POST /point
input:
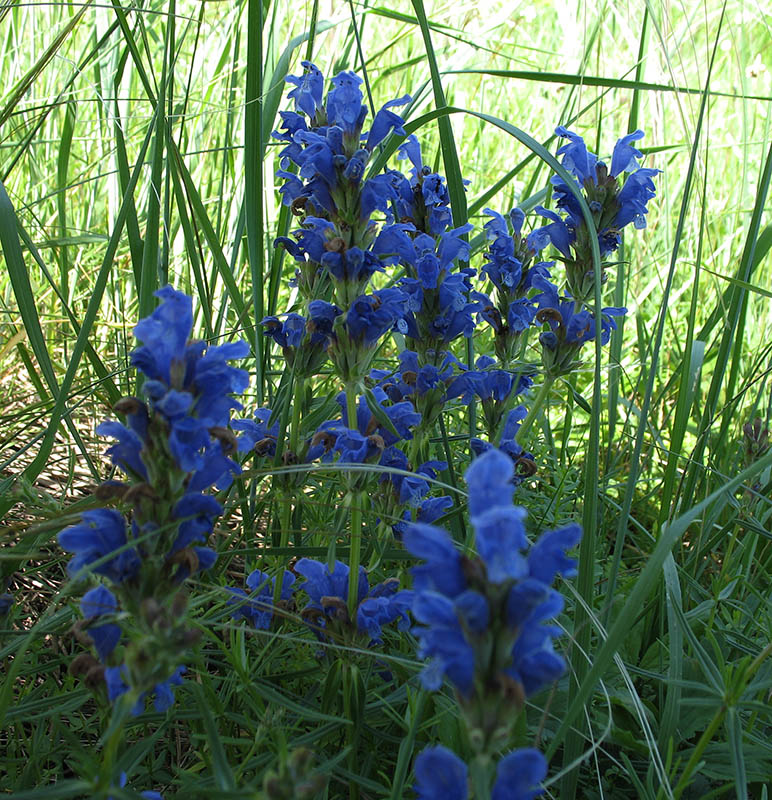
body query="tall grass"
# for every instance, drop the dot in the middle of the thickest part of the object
(135, 149)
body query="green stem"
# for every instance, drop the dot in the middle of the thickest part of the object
(704, 741)
(286, 503)
(355, 553)
(539, 401)
(116, 737)
(297, 407)
(481, 772)
(286, 523)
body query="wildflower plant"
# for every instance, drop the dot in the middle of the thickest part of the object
(368, 352)
(174, 447)
(483, 622)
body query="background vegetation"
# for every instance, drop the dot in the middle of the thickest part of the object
(138, 135)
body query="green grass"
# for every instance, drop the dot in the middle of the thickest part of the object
(135, 148)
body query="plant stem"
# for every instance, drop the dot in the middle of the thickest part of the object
(297, 407)
(704, 741)
(286, 503)
(480, 770)
(539, 401)
(286, 521)
(355, 552)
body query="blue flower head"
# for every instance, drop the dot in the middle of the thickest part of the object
(116, 680)
(328, 611)
(440, 775)
(258, 434)
(482, 620)
(94, 604)
(257, 606)
(613, 205)
(371, 316)
(570, 327)
(519, 775)
(307, 93)
(100, 539)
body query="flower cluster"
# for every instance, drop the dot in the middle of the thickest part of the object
(511, 267)
(257, 607)
(482, 620)
(482, 623)
(174, 447)
(569, 328)
(328, 612)
(613, 204)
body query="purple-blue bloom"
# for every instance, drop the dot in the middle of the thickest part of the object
(257, 606)
(94, 604)
(259, 435)
(370, 316)
(482, 618)
(440, 775)
(519, 775)
(328, 591)
(307, 93)
(116, 677)
(101, 533)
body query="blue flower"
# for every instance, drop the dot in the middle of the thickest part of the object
(164, 335)
(321, 318)
(383, 605)
(257, 607)
(409, 488)
(307, 93)
(352, 265)
(197, 513)
(519, 775)
(370, 316)
(488, 480)
(625, 156)
(375, 607)
(443, 640)
(344, 103)
(386, 122)
(571, 327)
(482, 619)
(101, 533)
(174, 366)
(429, 511)
(258, 435)
(633, 198)
(500, 539)
(440, 775)
(558, 232)
(442, 571)
(288, 333)
(94, 604)
(116, 677)
(535, 664)
(547, 558)
(322, 583)
(577, 159)
(126, 454)
(612, 207)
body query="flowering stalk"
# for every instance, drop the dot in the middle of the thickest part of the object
(355, 552)
(175, 445)
(535, 408)
(482, 623)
